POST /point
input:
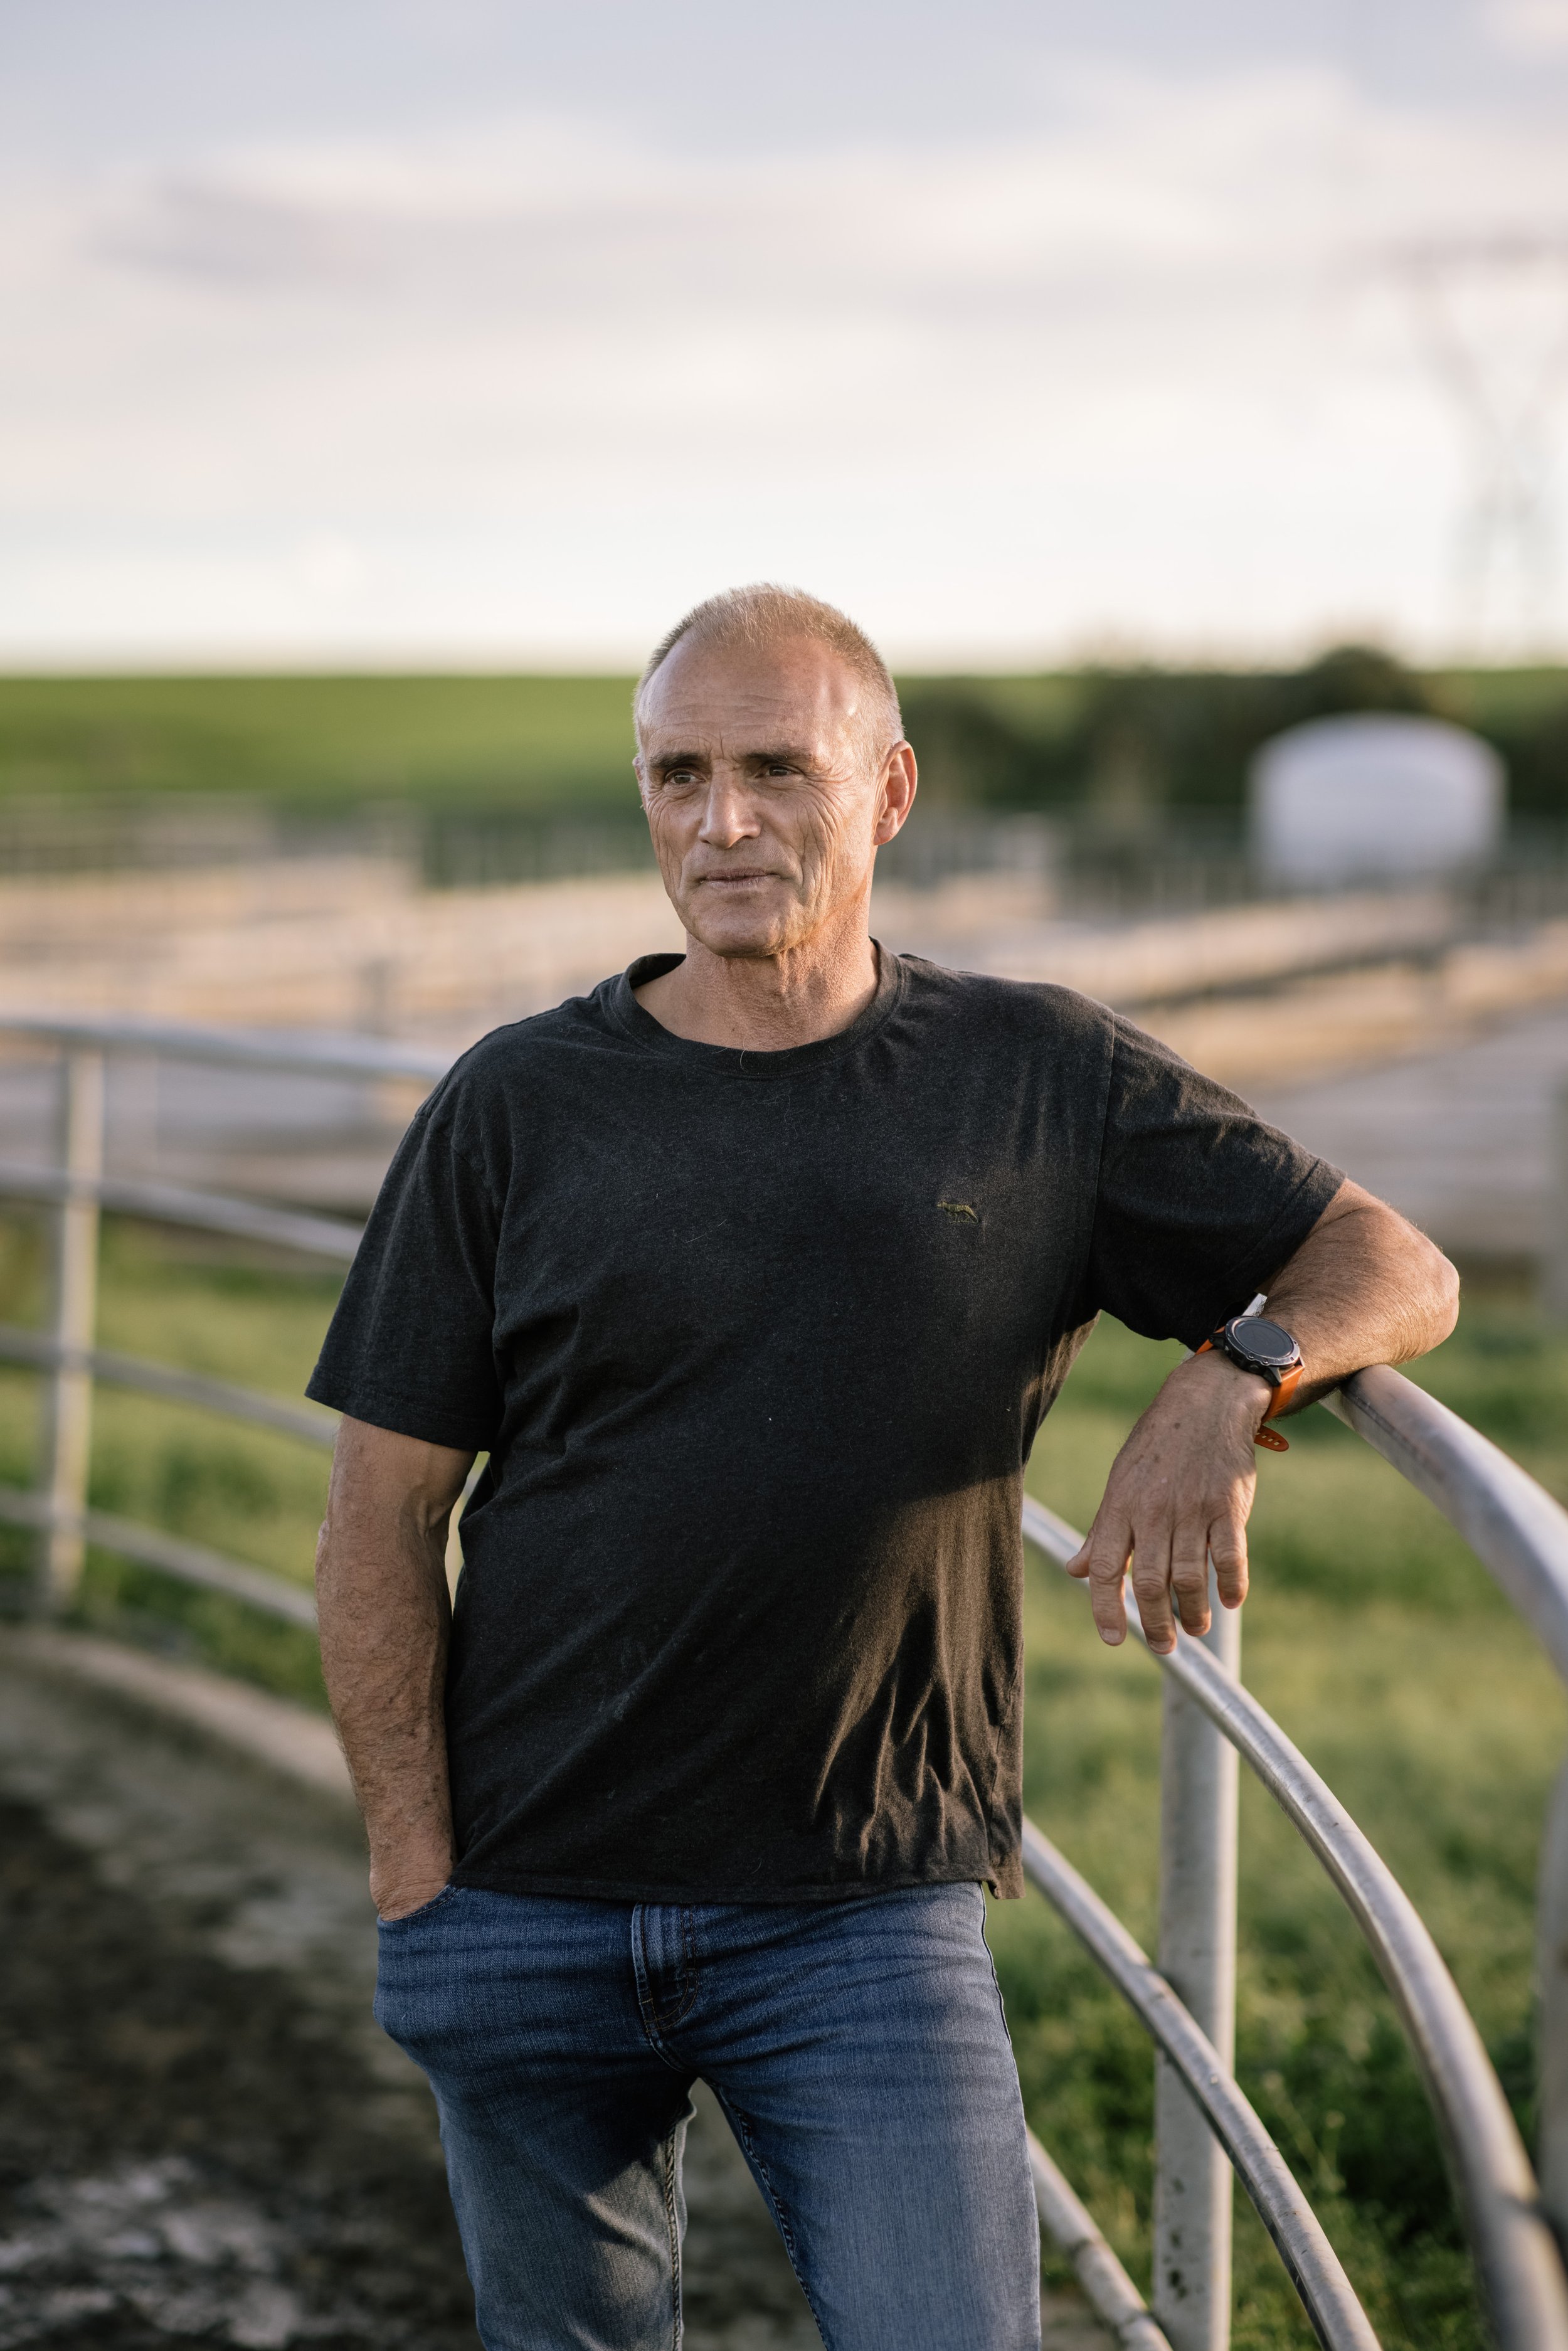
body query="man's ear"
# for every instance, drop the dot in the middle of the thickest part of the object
(900, 780)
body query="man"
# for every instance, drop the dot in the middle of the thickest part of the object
(754, 1273)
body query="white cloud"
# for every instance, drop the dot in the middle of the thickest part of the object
(1529, 29)
(525, 387)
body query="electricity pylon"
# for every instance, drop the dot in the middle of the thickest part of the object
(1492, 316)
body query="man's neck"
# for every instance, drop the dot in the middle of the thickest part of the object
(766, 1004)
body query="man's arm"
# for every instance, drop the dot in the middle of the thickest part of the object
(1363, 1288)
(385, 1614)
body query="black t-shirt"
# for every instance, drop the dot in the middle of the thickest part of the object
(758, 1344)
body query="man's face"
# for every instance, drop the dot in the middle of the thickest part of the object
(763, 790)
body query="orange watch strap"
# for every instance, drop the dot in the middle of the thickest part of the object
(1269, 1439)
(1285, 1391)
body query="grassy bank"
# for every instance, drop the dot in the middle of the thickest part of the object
(1372, 1636)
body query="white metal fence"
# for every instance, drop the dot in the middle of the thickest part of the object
(1205, 2126)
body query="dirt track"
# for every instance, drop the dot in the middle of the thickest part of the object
(183, 2152)
(203, 2136)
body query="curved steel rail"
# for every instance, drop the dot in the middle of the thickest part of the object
(39, 1351)
(1111, 2292)
(1520, 1536)
(1515, 1529)
(1314, 2267)
(149, 1546)
(74, 1183)
(1521, 2275)
(171, 1204)
(306, 1053)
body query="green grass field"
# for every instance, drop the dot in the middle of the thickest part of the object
(1372, 1636)
(326, 742)
(552, 747)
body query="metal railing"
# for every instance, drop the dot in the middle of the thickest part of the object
(1205, 2126)
(74, 1187)
(1520, 1535)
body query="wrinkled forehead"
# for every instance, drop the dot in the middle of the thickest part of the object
(737, 697)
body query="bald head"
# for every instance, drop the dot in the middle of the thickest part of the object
(763, 619)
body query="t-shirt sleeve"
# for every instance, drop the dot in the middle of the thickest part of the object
(412, 1345)
(1199, 1201)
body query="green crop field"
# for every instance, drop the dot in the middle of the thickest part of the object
(1372, 1636)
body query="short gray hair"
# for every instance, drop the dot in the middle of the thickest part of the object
(763, 616)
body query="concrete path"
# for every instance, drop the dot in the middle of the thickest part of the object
(1458, 1138)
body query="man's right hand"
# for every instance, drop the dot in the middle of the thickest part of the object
(1178, 1494)
(399, 1896)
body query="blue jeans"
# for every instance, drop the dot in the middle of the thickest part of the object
(857, 2048)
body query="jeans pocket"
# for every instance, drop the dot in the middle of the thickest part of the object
(416, 1918)
(414, 1972)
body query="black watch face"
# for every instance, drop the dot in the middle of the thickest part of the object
(1264, 1341)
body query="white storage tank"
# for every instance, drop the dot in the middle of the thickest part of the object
(1373, 795)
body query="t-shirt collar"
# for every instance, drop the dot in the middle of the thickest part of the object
(623, 1009)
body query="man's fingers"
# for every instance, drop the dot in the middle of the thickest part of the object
(1151, 1583)
(1104, 1560)
(1227, 1549)
(1189, 1576)
(1179, 1492)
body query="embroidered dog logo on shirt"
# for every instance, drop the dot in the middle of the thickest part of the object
(959, 1210)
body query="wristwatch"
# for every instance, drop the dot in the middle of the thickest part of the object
(1267, 1351)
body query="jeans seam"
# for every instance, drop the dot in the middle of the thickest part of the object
(740, 2123)
(687, 1999)
(647, 2011)
(996, 1979)
(689, 1944)
(671, 2223)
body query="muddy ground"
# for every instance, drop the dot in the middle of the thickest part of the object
(183, 2153)
(204, 2138)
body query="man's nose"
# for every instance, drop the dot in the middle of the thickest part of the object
(729, 815)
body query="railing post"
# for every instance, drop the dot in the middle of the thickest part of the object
(1191, 2294)
(1552, 1971)
(67, 1419)
(1553, 1259)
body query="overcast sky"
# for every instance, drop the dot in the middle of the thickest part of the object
(476, 330)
